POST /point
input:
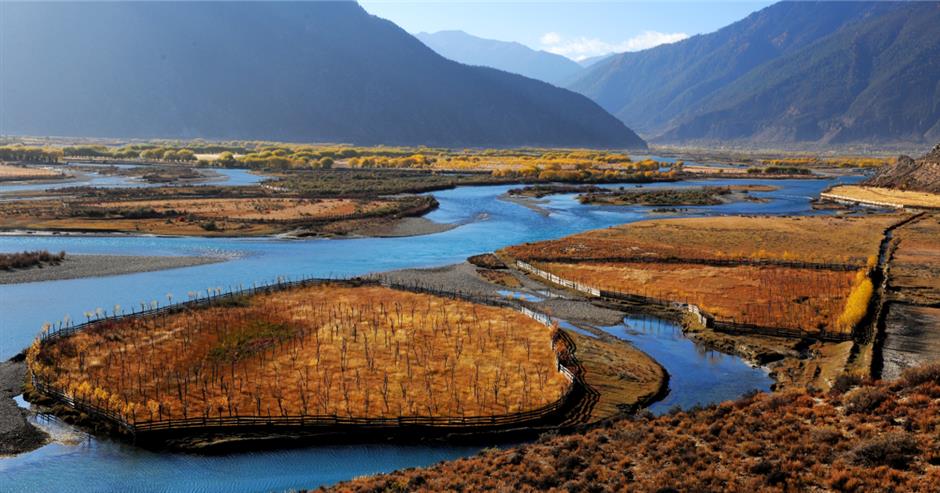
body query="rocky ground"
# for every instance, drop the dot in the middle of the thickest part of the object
(922, 175)
(78, 266)
(406, 226)
(17, 434)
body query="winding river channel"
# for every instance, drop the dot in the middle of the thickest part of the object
(486, 223)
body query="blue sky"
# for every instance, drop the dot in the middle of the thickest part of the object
(577, 29)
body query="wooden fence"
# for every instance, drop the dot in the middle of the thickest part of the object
(555, 411)
(577, 286)
(793, 264)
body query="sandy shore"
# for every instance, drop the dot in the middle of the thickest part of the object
(406, 226)
(463, 278)
(17, 434)
(79, 266)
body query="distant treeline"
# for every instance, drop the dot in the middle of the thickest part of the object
(29, 154)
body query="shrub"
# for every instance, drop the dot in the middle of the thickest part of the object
(918, 375)
(845, 382)
(865, 399)
(894, 449)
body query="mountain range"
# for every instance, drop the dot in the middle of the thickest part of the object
(794, 72)
(511, 57)
(302, 71)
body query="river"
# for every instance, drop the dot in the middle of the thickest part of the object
(486, 224)
(219, 176)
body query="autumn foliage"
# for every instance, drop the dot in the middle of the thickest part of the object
(364, 352)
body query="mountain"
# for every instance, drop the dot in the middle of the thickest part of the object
(591, 61)
(828, 72)
(922, 175)
(303, 71)
(511, 57)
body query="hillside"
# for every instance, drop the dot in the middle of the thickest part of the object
(304, 71)
(922, 175)
(511, 57)
(826, 72)
(870, 437)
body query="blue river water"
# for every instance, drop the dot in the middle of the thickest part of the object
(485, 223)
(227, 177)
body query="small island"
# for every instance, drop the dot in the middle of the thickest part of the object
(324, 356)
(660, 197)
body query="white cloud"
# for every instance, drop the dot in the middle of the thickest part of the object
(549, 39)
(583, 47)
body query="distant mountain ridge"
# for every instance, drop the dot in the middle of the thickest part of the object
(821, 72)
(302, 71)
(503, 55)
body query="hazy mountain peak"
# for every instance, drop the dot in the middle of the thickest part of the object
(504, 55)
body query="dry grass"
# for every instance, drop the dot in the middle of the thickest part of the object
(8, 172)
(199, 216)
(878, 196)
(323, 350)
(787, 442)
(500, 277)
(275, 209)
(808, 299)
(624, 376)
(822, 239)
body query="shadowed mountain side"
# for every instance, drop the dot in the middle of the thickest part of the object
(305, 71)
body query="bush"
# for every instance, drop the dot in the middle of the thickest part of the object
(918, 375)
(845, 382)
(894, 449)
(864, 400)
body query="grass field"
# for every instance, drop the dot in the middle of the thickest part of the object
(201, 216)
(818, 239)
(363, 351)
(274, 209)
(883, 196)
(8, 172)
(810, 299)
(797, 273)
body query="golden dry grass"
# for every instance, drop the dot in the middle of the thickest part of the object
(276, 209)
(8, 172)
(323, 350)
(197, 217)
(807, 299)
(824, 239)
(882, 196)
(622, 374)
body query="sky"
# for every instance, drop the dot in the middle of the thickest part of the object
(576, 29)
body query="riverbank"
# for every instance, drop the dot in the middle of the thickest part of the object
(82, 266)
(17, 434)
(398, 228)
